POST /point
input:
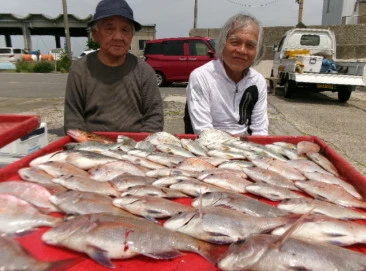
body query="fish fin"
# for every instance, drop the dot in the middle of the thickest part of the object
(211, 252)
(165, 255)
(287, 234)
(64, 264)
(100, 256)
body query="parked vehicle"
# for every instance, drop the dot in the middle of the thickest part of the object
(306, 58)
(173, 59)
(10, 54)
(84, 53)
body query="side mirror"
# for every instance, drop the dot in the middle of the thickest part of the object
(211, 53)
(274, 48)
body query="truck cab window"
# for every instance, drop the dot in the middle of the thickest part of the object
(310, 40)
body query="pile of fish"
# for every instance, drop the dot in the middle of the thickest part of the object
(238, 204)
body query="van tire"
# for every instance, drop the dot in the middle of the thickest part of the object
(160, 78)
(290, 86)
(344, 93)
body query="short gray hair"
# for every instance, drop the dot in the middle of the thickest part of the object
(234, 23)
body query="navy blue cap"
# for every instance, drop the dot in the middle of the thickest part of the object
(108, 8)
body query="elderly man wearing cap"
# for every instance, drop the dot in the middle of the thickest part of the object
(111, 89)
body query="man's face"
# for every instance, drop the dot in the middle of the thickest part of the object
(240, 49)
(114, 35)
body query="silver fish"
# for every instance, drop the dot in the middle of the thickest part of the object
(195, 188)
(17, 216)
(195, 164)
(86, 184)
(174, 150)
(267, 176)
(152, 190)
(330, 192)
(221, 225)
(106, 237)
(149, 206)
(306, 205)
(280, 167)
(327, 229)
(125, 181)
(304, 147)
(272, 192)
(14, 257)
(326, 178)
(30, 192)
(169, 180)
(238, 202)
(163, 138)
(57, 169)
(144, 162)
(260, 253)
(87, 159)
(194, 147)
(212, 136)
(227, 181)
(166, 159)
(323, 162)
(79, 203)
(111, 170)
(236, 164)
(36, 175)
(165, 172)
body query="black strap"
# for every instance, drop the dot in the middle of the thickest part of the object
(188, 129)
(246, 106)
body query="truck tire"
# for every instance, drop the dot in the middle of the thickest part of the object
(290, 86)
(271, 83)
(344, 93)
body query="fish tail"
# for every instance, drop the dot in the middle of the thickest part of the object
(212, 252)
(64, 264)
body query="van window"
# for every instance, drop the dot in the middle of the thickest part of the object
(197, 48)
(154, 48)
(5, 50)
(17, 51)
(173, 48)
(310, 40)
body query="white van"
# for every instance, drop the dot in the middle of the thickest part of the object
(10, 54)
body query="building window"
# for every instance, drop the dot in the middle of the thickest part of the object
(142, 44)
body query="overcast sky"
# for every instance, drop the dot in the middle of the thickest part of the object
(173, 18)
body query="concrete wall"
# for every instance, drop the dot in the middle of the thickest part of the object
(351, 39)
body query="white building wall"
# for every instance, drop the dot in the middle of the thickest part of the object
(339, 12)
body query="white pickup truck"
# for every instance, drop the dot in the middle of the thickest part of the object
(306, 58)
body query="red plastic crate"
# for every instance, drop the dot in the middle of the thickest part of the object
(13, 127)
(189, 261)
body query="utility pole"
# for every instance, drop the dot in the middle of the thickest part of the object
(301, 8)
(67, 30)
(195, 14)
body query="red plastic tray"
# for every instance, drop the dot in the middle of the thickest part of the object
(13, 127)
(189, 261)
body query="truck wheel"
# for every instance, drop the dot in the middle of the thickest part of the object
(271, 83)
(290, 86)
(344, 93)
(160, 79)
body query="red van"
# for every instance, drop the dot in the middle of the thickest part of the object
(173, 59)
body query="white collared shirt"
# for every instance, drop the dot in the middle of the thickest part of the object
(213, 100)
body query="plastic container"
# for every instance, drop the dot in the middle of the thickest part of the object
(188, 261)
(13, 127)
(311, 63)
